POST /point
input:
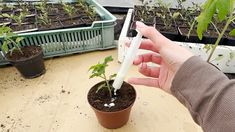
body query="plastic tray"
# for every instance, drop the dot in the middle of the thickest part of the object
(99, 36)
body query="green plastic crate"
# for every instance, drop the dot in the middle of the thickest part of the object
(99, 36)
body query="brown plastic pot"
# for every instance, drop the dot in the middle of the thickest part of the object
(113, 120)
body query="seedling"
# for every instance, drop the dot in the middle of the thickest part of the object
(43, 16)
(90, 11)
(18, 19)
(224, 12)
(165, 14)
(10, 38)
(70, 10)
(99, 70)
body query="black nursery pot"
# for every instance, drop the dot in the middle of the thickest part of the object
(30, 67)
(230, 41)
(183, 31)
(171, 34)
(212, 40)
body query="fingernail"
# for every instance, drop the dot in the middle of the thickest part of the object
(140, 24)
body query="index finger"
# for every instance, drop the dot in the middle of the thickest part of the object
(156, 37)
(146, 44)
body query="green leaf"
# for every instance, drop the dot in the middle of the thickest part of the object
(18, 39)
(232, 33)
(6, 15)
(223, 8)
(205, 17)
(112, 76)
(176, 15)
(231, 6)
(219, 57)
(5, 47)
(108, 59)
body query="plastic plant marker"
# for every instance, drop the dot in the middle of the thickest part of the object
(128, 61)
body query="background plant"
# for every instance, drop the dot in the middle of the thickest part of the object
(89, 10)
(99, 70)
(223, 10)
(165, 14)
(9, 37)
(69, 9)
(43, 16)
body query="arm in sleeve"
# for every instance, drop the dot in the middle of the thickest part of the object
(207, 93)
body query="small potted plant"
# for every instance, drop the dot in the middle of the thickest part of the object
(28, 59)
(111, 108)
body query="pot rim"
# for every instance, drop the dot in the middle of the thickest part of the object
(25, 59)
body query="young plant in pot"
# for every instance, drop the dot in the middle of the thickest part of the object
(28, 60)
(223, 10)
(112, 108)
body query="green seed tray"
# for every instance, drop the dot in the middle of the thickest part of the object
(99, 36)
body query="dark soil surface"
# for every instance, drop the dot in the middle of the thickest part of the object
(124, 98)
(28, 51)
(185, 30)
(72, 23)
(4, 20)
(53, 25)
(193, 35)
(118, 28)
(171, 29)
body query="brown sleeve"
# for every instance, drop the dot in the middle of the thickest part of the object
(207, 93)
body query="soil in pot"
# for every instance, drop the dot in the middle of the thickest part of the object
(193, 35)
(169, 32)
(6, 9)
(118, 28)
(72, 23)
(4, 21)
(54, 25)
(114, 116)
(124, 98)
(30, 64)
(145, 14)
(210, 37)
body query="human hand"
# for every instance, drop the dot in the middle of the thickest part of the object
(167, 55)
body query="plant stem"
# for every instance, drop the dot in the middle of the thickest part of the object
(220, 36)
(15, 45)
(191, 28)
(215, 27)
(107, 82)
